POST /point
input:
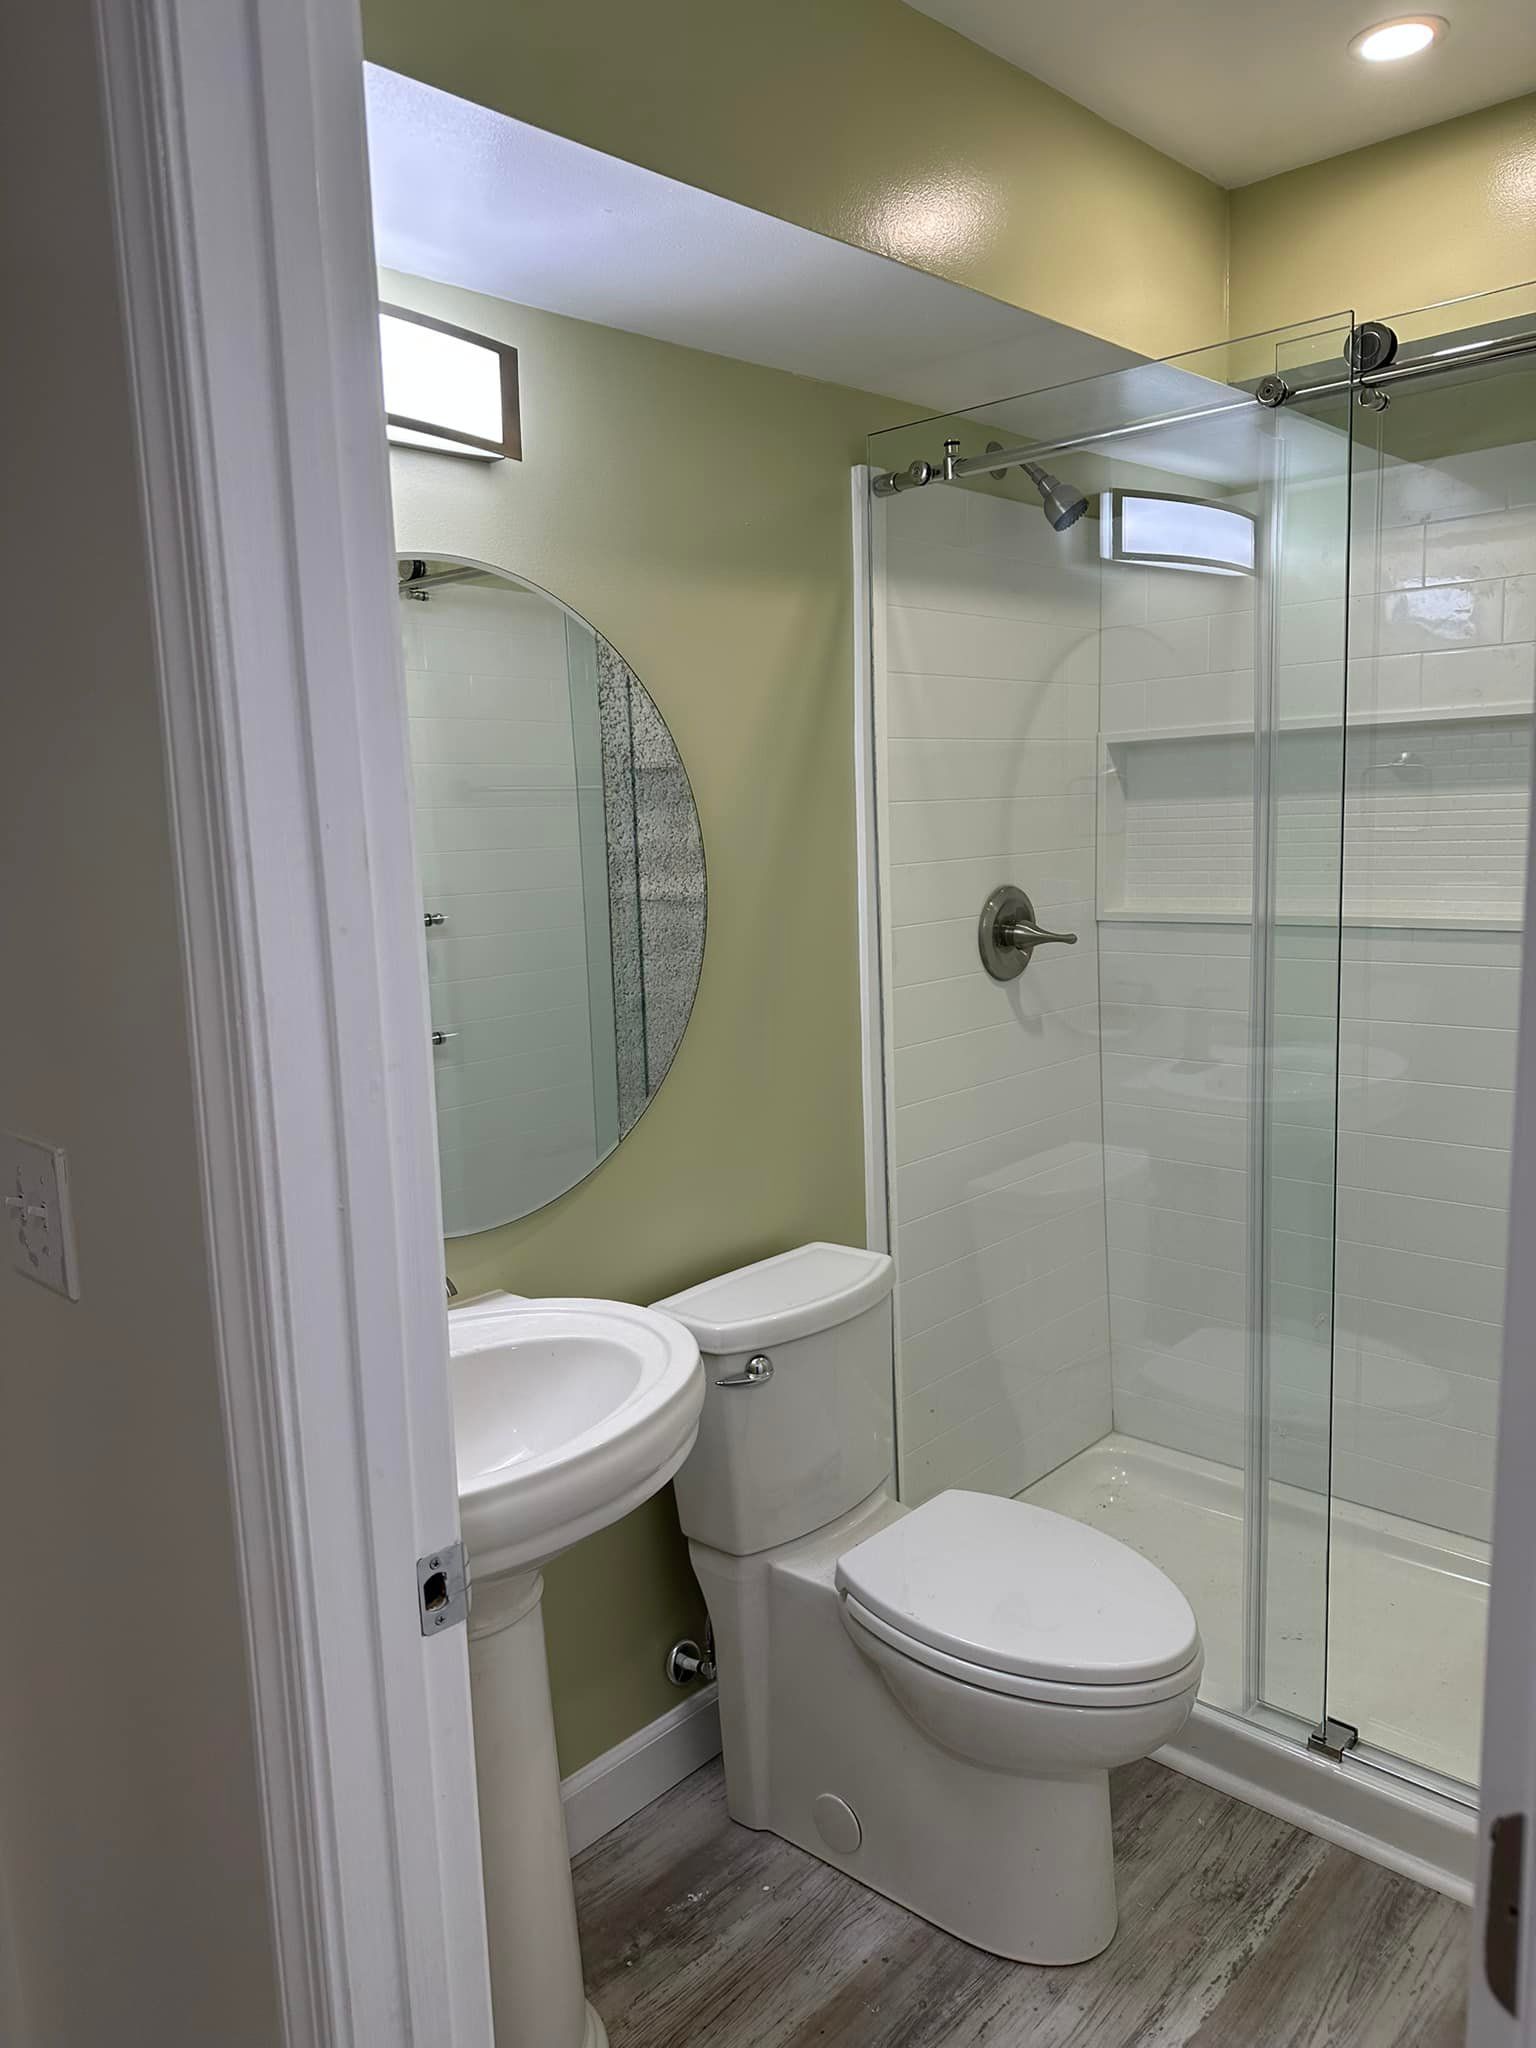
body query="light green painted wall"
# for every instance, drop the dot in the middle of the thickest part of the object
(1433, 215)
(863, 120)
(696, 510)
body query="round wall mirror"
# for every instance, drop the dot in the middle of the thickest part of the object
(563, 894)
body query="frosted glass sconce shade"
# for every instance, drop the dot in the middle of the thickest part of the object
(447, 389)
(1162, 531)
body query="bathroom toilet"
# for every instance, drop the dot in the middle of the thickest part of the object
(929, 1698)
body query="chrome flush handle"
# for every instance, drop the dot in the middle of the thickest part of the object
(757, 1373)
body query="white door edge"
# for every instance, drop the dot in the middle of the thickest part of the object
(1509, 1700)
(235, 130)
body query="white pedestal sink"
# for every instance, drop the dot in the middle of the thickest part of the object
(567, 1414)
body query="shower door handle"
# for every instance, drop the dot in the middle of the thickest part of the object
(1008, 933)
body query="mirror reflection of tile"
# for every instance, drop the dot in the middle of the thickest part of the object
(561, 853)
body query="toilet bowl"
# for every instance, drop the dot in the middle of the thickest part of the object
(1049, 1739)
(1019, 1638)
(929, 1698)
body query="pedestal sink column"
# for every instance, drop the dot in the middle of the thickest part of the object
(566, 1415)
(536, 1987)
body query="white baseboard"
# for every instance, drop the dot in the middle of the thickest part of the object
(614, 1786)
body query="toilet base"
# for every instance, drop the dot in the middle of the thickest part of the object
(1028, 1872)
(1021, 1865)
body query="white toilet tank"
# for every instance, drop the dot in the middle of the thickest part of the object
(806, 1434)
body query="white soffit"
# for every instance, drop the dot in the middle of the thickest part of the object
(1241, 92)
(469, 197)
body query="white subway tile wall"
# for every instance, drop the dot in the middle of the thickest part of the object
(1176, 853)
(1435, 845)
(1425, 1107)
(1436, 803)
(1175, 1015)
(1424, 1134)
(1435, 814)
(1442, 575)
(989, 678)
(497, 834)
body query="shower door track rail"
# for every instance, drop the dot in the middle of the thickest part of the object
(955, 469)
(1468, 355)
(1276, 392)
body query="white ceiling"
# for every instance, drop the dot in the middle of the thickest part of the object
(1240, 89)
(469, 197)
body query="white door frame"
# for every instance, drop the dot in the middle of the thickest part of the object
(235, 130)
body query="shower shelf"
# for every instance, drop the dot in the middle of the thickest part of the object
(1319, 920)
(1172, 824)
(1457, 714)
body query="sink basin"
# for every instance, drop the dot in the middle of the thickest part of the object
(566, 1415)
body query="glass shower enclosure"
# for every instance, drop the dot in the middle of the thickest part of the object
(1198, 1217)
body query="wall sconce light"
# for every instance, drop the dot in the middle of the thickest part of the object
(1159, 530)
(447, 389)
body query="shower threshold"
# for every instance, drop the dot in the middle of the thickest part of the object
(1408, 1620)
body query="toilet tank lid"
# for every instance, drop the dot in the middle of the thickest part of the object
(812, 1288)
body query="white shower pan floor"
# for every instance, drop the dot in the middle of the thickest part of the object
(1408, 1605)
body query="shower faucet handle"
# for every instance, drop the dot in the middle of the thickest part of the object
(1024, 934)
(1009, 932)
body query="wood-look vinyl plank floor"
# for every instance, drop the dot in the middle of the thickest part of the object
(1236, 1931)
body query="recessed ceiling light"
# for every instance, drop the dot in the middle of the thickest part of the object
(1404, 37)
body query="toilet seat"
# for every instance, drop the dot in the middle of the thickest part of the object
(1014, 1599)
(1049, 1692)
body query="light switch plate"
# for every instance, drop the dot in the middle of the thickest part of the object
(38, 1234)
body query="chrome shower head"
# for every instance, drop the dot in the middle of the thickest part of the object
(1063, 506)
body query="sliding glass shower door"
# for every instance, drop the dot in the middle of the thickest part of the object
(1299, 746)
(1438, 779)
(1109, 643)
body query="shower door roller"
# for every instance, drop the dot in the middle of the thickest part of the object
(1008, 934)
